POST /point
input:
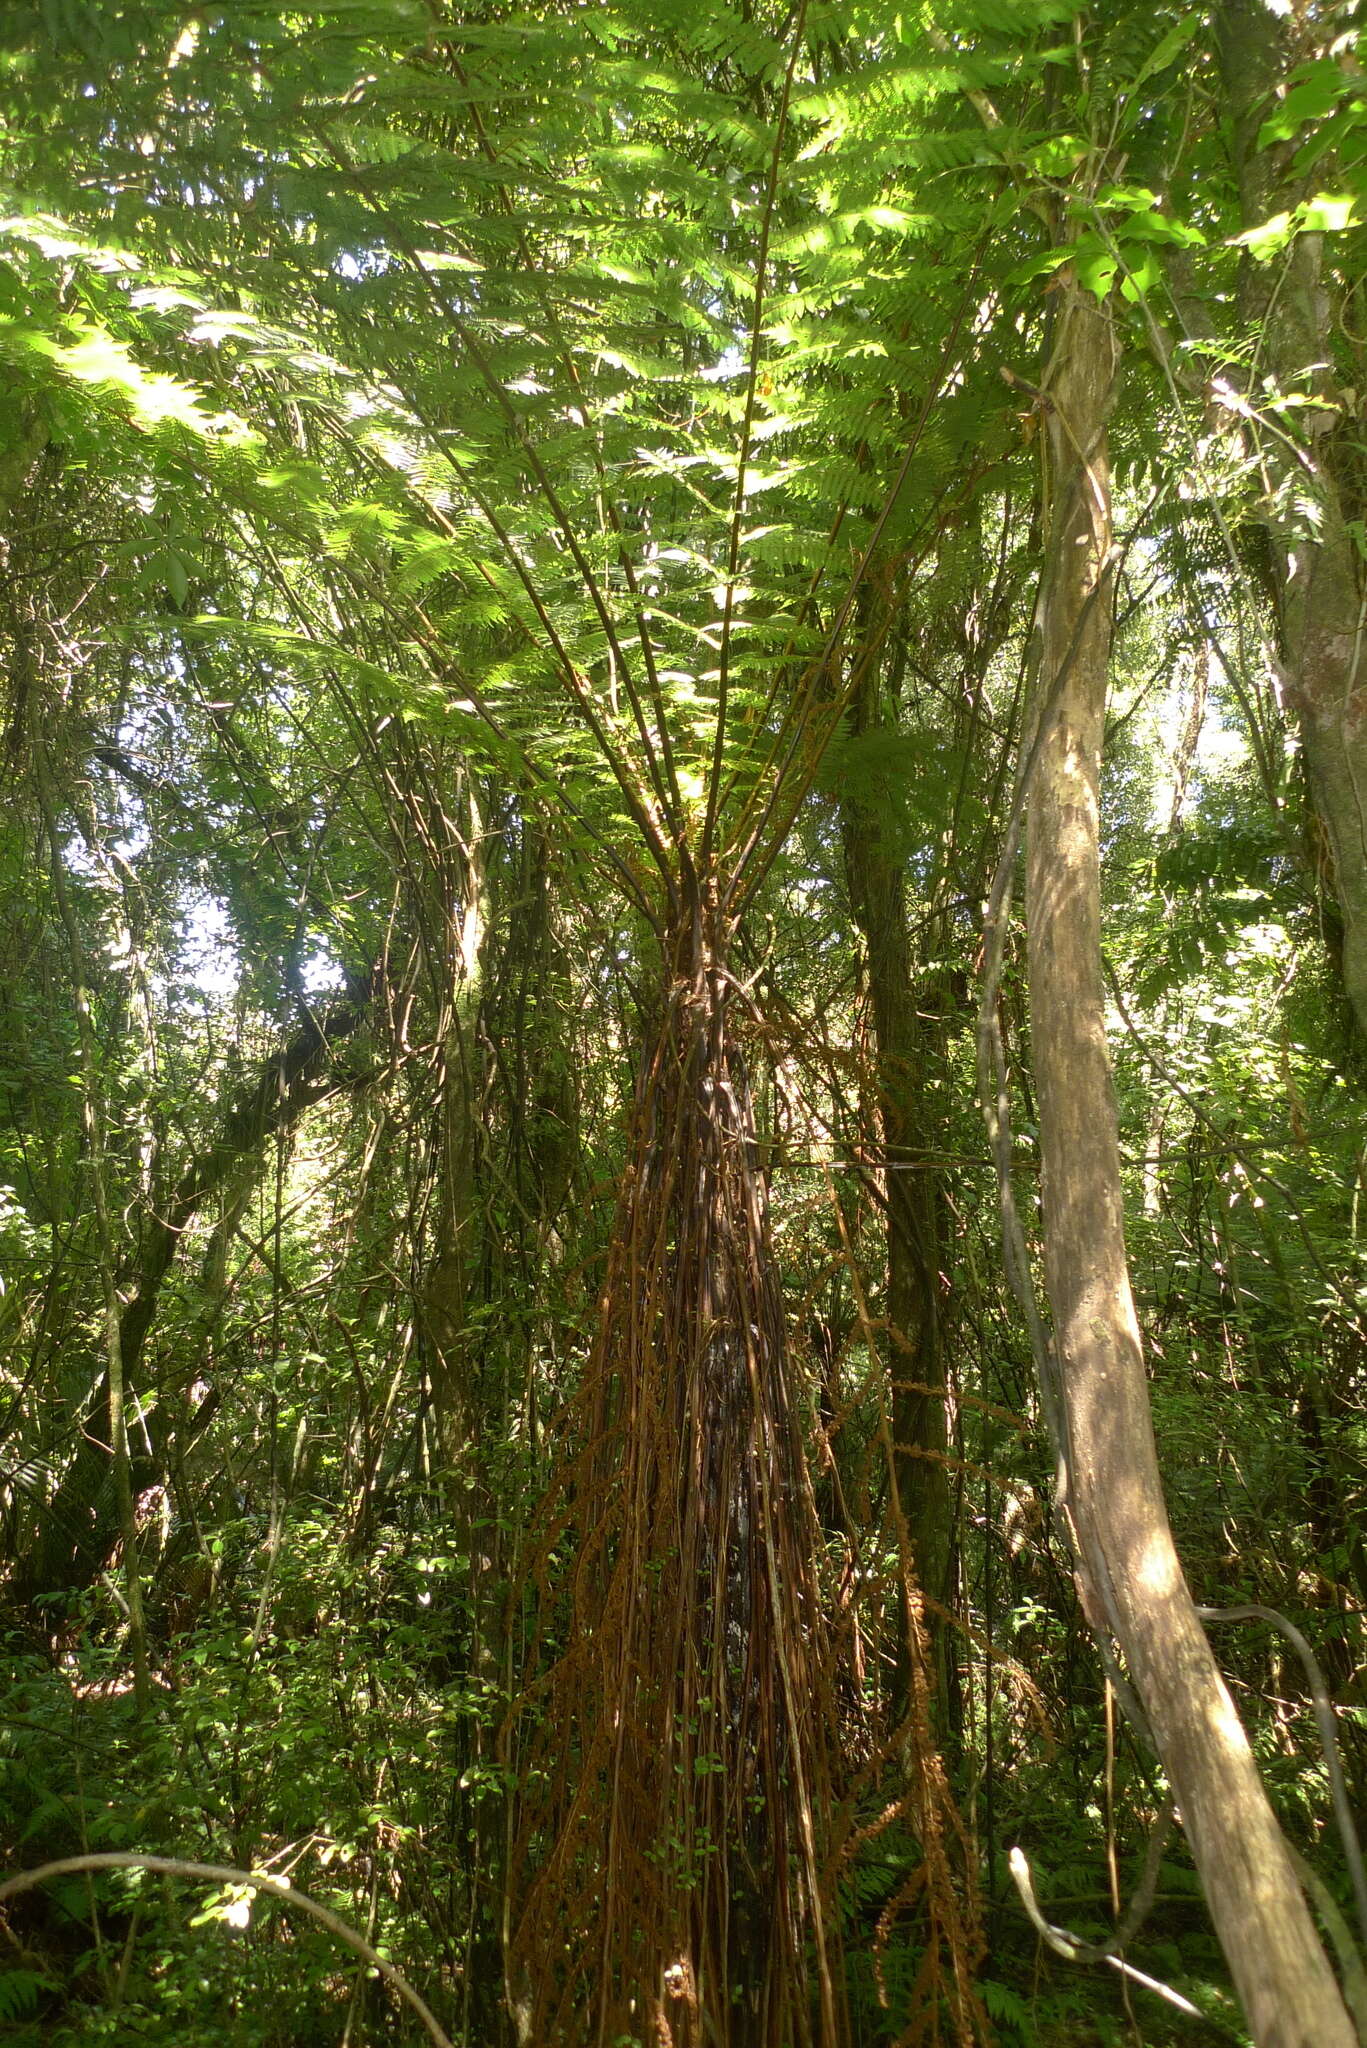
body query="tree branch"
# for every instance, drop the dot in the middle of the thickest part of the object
(257, 1881)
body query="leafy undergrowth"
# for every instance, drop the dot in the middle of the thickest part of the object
(333, 1718)
(355, 1759)
(360, 1763)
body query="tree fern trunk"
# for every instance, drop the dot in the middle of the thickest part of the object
(668, 1870)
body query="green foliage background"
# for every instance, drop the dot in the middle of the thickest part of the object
(463, 469)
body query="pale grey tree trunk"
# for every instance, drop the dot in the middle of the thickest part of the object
(1287, 311)
(1135, 1586)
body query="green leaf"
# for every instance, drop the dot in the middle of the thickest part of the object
(1316, 89)
(1170, 46)
(1265, 240)
(1330, 212)
(20, 1991)
(1142, 219)
(1095, 264)
(1325, 213)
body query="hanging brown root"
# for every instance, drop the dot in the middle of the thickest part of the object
(673, 1871)
(668, 1862)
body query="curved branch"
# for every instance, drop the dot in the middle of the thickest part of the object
(1329, 1741)
(257, 1881)
(1074, 1949)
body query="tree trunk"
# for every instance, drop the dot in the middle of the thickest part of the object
(461, 921)
(1115, 1493)
(1311, 506)
(915, 1351)
(676, 1802)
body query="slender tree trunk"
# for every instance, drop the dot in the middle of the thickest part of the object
(915, 1350)
(1183, 761)
(462, 919)
(1115, 1493)
(93, 1117)
(1311, 507)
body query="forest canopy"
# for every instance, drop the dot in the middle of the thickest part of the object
(683, 1029)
